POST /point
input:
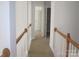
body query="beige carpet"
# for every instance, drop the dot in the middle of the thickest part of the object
(40, 48)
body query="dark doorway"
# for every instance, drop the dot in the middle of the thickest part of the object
(48, 21)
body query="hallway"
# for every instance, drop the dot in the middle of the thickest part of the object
(25, 25)
(40, 48)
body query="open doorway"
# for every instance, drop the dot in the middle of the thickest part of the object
(39, 21)
(48, 21)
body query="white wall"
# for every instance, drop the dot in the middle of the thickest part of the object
(21, 24)
(52, 26)
(21, 16)
(47, 4)
(23, 19)
(7, 27)
(66, 15)
(13, 17)
(29, 33)
(12, 28)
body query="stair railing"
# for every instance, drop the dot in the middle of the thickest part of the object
(22, 34)
(6, 51)
(72, 46)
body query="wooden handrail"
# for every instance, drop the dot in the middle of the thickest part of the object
(62, 34)
(73, 42)
(69, 37)
(25, 30)
(29, 25)
(19, 38)
(5, 53)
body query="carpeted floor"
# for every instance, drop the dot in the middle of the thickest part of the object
(40, 48)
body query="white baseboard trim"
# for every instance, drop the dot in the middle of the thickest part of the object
(51, 49)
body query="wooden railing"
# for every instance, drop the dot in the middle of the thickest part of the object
(29, 25)
(25, 30)
(19, 38)
(5, 53)
(62, 34)
(68, 40)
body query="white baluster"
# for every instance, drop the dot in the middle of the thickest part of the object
(75, 54)
(70, 49)
(78, 52)
(73, 51)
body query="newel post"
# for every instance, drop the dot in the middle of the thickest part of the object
(5, 52)
(67, 46)
(55, 29)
